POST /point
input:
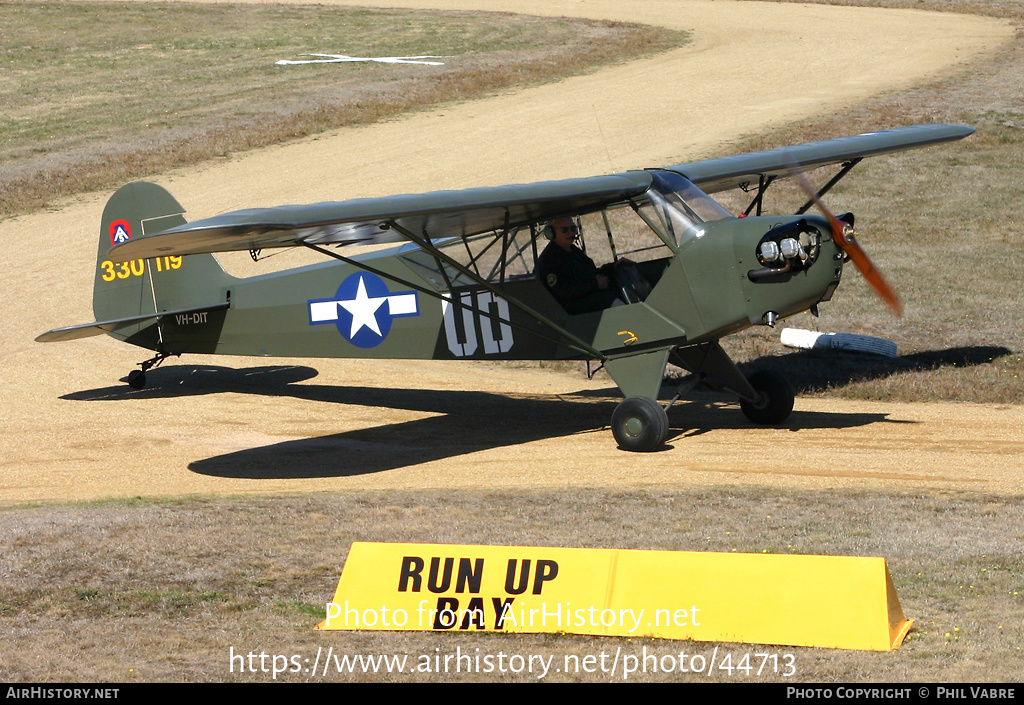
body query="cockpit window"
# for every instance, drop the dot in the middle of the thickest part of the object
(681, 207)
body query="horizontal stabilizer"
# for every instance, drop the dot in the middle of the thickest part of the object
(87, 330)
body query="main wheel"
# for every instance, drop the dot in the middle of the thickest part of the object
(640, 424)
(774, 398)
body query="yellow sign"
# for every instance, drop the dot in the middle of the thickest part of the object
(831, 601)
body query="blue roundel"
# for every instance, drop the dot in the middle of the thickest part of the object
(363, 309)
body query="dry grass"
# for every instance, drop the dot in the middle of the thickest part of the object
(161, 590)
(87, 108)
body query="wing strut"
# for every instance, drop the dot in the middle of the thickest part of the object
(504, 249)
(832, 182)
(763, 182)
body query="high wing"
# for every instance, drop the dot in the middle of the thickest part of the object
(366, 221)
(443, 214)
(737, 171)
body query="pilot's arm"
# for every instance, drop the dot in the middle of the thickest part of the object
(574, 280)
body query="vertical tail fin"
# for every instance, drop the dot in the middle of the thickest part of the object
(126, 289)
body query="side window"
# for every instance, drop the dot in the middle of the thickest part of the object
(618, 233)
(492, 256)
(496, 256)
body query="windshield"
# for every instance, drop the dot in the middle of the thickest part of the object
(681, 207)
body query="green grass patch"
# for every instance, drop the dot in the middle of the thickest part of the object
(178, 599)
(308, 609)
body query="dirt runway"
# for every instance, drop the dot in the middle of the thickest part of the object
(71, 430)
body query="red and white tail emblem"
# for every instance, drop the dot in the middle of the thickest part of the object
(120, 232)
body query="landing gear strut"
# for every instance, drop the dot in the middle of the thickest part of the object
(137, 378)
(640, 424)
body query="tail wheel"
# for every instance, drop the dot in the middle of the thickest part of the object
(774, 398)
(136, 379)
(640, 424)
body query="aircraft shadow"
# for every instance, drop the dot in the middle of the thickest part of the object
(468, 421)
(196, 380)
(465, 421)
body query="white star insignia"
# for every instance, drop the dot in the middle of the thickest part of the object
(364, 310)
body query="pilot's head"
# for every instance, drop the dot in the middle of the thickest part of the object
(564, 232)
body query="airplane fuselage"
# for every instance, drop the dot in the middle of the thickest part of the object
(382, 308)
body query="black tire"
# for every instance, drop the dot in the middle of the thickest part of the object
(136, 379)
(640, 424)
(775, 398)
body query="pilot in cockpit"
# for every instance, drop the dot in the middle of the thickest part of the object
(572, 277)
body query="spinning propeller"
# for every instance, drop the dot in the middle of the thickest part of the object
(844, 237)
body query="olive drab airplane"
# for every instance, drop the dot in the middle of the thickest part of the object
(464, 277)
